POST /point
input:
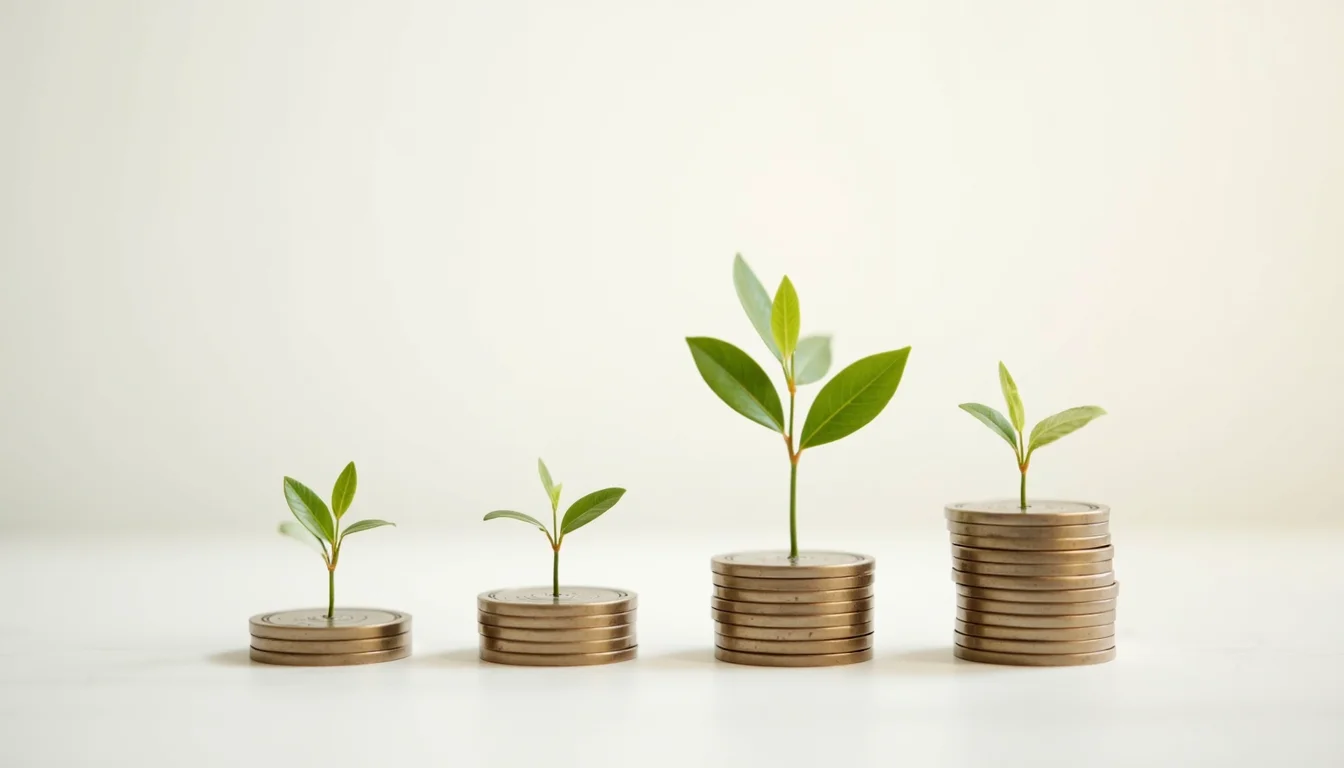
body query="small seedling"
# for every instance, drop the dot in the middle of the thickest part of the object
(854, 397)
(579, 514)
(1050, 429)
(317, 525)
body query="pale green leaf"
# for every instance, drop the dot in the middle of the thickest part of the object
(812, 359)
(310, 510)
(784, 320)
(297, 532)
(1051, 428)
(344, 492)
(552, 490)
(364, 525)
(530, 520)
(589, 508)
(853, 398)
(755, 302)
(738, 381)
(1016, 413)
(992, 419)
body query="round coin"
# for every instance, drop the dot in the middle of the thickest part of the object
(1040, 512)
(792, 622)
(391, 642)
(558, 635)
(793, 585)
(556, 622)
(1041, 595)
(765, 596)
(1030, 531)
(777, 564)
(572, 601)
(1022, 633)
(313, 624)
(793, 635)
(1032, 545)
(1033, 659)
(1034, 582)
(1020, 557)
(1032, 646)
(1039, 569)
(1037, 622)
(792, 609)
(787, 660)
(794, 647)
(557, 659)
(327, 659)
(1088, 608)
(587, 647)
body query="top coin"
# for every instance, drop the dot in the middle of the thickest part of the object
(776, 564)
(313, 624)
(572, 601)
(1008, 512)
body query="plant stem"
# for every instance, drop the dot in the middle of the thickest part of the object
(1024, 491)
(793, 483)
(331, 592)
(555, 573)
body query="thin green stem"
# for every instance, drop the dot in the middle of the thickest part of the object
(1024, 491)
(555, 572)
(793, 483)
(331, 592)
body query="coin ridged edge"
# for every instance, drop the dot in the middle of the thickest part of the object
(558, 660)
(258, 628)
(327, 659)
(963, 512)
(1034, 660)
(802, 660)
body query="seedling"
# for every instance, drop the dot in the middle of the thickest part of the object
(854, 397)
(579, 514)
(317, 525)
(1050, 429)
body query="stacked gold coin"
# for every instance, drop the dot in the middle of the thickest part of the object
(1034, 588)
(308, 638)
(815, 610)
(533, 627)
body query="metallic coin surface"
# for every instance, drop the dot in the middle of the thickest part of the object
(792, 609)
(1034, 582)
(572, 601)
(312, 624)
(1039, 512)
(1087, 608)
(327, 659)
(1032, 545)
(587, 634)
(793, 585)
(557, 659)
(776, 564)
(797, 660)
(1038, 622)
(1033, 659)
(1020, 557)
(1030, 531)
(793, 635)
(794, 647)
(1039, 569)
(1041, 595)
(1023, 633)
(556, 622)
(391, 642)
(767, 596)
(1032, 646)
(586, 647)
(792, 622)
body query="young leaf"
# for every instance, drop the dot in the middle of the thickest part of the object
(1051, 428)
(552, 490)
(853, 398)
(589, 508)
(992, 419)
(812, 359)
(755, 301)
(344, 492)
(364, 525)
(1014, 401)
(738, 381)
(784, 322)
(301, 534)
(310, 510)
(530, 520)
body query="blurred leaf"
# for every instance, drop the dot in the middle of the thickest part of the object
(344, 492)
(784, 321)
(301, 534)
(310, 510)
(1051, 428)
(1016, 413)
(589, 508)
(530, 520)
(755, 301)
(364, 525)
(812, 359)
(552, 490)
(738, 381)
(853, 398)
(992, 419)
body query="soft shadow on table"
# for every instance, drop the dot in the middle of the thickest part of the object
(462, 657)
(690, 657)
(929, 662)
(235, 658)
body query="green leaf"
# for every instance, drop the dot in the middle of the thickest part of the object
(784, 322)
(364, 525)
(853, 398)
(310, 510)
(552, 490)
(301, 534)
(589, 508)
(992, 419)
(530, 520)
(738, 381)
(1051, 428)
(1014, 401)
(344, 492)
(755, 301)
(812, 359)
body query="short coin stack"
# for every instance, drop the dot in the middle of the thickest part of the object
(307, 638)
(533, 627)
(1034, 588)
(815, 610)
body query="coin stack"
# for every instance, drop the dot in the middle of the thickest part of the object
(1034, 588)
(307, 638)
(533, 627)
(815, 610)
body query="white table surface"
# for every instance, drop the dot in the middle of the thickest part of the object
(130, 650)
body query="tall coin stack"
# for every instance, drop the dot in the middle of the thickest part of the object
(307, 638)
(771, 610)
(1034, 588)
(532, 627)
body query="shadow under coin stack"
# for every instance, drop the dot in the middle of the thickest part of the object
(812, 611)
(307, 638)
(1034, 588)
(531, 627)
